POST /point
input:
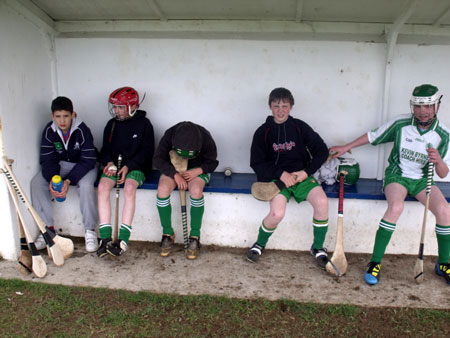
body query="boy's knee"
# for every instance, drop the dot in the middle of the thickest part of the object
(277, 215)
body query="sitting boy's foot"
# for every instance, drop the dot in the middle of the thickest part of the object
(372, 274)
(254, 252)
(320, 256)
(101, 251)
(194, 248)
(443, 270)
(166, 245)
(117, 248)
(91, 240)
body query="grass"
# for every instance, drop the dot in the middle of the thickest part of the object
(60, 311)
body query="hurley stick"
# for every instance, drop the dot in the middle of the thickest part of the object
(54, 250)
(418, 268)
(116, 219)
(25, 260)
(180, 165)
(38, 265)
(337, 265)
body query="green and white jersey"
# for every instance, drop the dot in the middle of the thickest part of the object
(409, 155)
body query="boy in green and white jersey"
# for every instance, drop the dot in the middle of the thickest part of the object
(418, 139)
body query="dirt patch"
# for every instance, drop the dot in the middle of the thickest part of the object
(226, 272)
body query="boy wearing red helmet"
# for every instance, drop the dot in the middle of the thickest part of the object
(129, 134)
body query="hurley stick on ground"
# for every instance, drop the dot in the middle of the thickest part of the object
(418, 268)
(38, 265)
(180, 165)
(338, 263)
(56, 244)
(116, 218)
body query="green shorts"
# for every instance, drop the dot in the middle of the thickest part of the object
(136, 175)
(412, 186)
(205, 177)
(300, 190)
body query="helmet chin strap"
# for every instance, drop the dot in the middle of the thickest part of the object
(426, 123)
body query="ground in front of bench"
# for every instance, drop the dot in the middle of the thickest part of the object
(226, 272)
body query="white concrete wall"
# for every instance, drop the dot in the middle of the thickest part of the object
(25, 95)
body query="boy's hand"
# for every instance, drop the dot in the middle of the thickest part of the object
(300, 176)
(107, 171)
(122, 174)
(192, 173)
(64, 189)
(180, 181)
(434, 156)
(339, 150)
(288, 179)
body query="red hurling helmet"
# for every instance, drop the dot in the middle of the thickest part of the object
(125, 96)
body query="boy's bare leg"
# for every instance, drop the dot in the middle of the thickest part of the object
(438, 205)
(395, 195)
(129, 196)
(319, 201)
(104, 204)
(277, 211)
(165, 186)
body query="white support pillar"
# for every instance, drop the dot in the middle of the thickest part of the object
(391, 41)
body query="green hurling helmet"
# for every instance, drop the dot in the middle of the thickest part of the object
(425, 95)
(189, 154)
(350, 168)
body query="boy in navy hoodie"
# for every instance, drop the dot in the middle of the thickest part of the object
(130, 134)
(67, 149)
(288, 150)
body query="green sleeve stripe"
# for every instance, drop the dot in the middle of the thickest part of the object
(388, 135)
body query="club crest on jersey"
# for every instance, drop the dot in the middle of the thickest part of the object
(135, 136)
(58, 146)
(76, 146)
(283, 146)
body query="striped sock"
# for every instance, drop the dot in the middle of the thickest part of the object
(264, 235)
(165, 214)
(443, 239)
(105, 230)
(320, 228)
(382, 238)
(125, 232)
(197, 211)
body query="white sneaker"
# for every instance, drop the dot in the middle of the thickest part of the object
(91, 241)
(40, 242)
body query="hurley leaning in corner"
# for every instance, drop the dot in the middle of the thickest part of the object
(420, 147)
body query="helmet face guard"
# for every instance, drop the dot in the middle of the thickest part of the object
(425, 96)
(123, 99)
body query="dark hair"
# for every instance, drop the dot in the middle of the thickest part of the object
(282, 94)
(187, 136)
(62, 103)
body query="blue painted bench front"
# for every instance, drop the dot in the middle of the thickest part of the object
(370, 189)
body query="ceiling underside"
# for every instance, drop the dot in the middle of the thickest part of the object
(424, 21)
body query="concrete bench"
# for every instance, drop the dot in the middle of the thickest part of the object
(232, 217)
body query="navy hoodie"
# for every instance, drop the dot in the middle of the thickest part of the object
(290, 146)
(133, 138)
(79, 149)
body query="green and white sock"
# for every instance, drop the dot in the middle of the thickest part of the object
(264, 235)
(105, 230)
(443, 240)
(125, 232)
(320, 228)
(165, 214)
(382, 238)
(197, 211)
